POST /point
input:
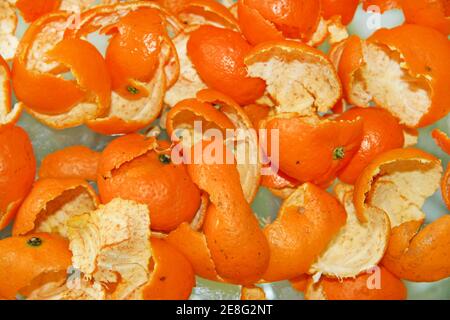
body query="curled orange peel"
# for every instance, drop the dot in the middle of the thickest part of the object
(24, 259)
(376, 69)
(51, 203)
(398, 181)
(42, 53)
(139, 79)
(307, 222)
(199, 12)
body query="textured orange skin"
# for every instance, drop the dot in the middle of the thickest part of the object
(430, 13)
(44, 191)
(194, 247)
(238, 247)
(305, 160)
(71, 162)
(351, 60)
(21, 263)
(256, 113)
(33, 9)
(427, 54)
(392, 288)
(419, 255)
(168, 191)
(17, 171)
(255, 27)
(172, 277)
(252, 293)
(296, 19)
(211, 10)
(343, 8)
(218, 56)
(297, 238)
(384, 5)
(140, 30)
(382, 132)
(363, 184)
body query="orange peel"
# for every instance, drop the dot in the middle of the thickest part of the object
(252, 293)
(358, 246)
(398, 181)
(25, 258)
(237, 245)
(7, 116)
(307, 222)
(75, 162)
(112, 247)
(51, 203)
(138, 96)
(302, 158)
(137, 168)
(18, 169)
(216, 110)
(200, 12)
(381, 132)
(360, 288)
(8, 25)
(275, 20)
(286, 67)
(431, 13)
(71, 102)
(417, 254)
(385, 67)
(218, 56)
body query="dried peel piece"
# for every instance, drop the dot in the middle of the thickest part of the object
(358, 246)
(398, 182)
(51, 203)
(299, 78)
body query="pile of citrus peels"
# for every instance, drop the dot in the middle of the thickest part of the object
(331, 134)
